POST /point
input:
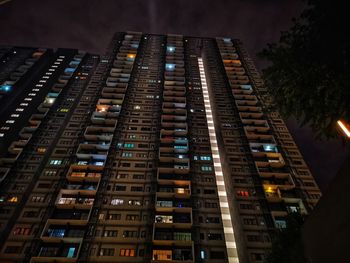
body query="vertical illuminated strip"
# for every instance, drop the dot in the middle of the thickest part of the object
(344, 128)
(220, 183)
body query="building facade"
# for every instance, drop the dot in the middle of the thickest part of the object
(165, 149)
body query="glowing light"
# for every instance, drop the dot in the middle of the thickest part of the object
(50, 100)
(344, 128)
(170, 49)
(220, 183)
(131, 55)
(169, 67)
(5, 88)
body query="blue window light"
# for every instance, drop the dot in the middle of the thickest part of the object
(170, 49)
(71, 251)
(170, 67)
(5, 88)
(270, 148)
(69, 70)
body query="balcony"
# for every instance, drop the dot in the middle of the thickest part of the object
(173, 220)
(84, 188)
(254, 135)
(70, 201)
(173, 147)
(60, 252)
(259, 149)
(168, 131)
(167, 238)
(163, 254)
(273, 172)
(94, 151)
(251, 115)
(173, 157)
(171, 105)
(282, 183)
(104, 112)
(174, 118)
(79, 173)
(173, 205)
(113, 82)
(174, 168)
(98, 133)
(175, 111)
(71, 216)
(69, 232)
(168, 178)
(113, 105)
(272, 193)
(270, 159)
(175, 125)
(116, 92)
(91, 161)
(174, 190)
(176, 100)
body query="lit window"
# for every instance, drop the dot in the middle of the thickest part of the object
(117, 201)
(35, 89)
(49, 100)
(205, 158)
(5, 88)
(28, 99)
(24, 104)
(206, 168)
(42, 81)
(13, 199)
(51, 69)
(41, 150)
(55, 162)
(243, 193)
(15, 115)
(63, 110)
(170, 49)
(126, 154)
(19, 109)
(137, 107)
(129, 145)
(10, 121)
(170, 67)
(5, 128)
(127, 252)
(32, 94)
(2, 134)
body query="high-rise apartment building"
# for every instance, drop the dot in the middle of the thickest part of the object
(165, 149)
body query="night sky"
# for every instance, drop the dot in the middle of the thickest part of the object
(89, 25)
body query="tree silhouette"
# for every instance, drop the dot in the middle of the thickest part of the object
(309, 73)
